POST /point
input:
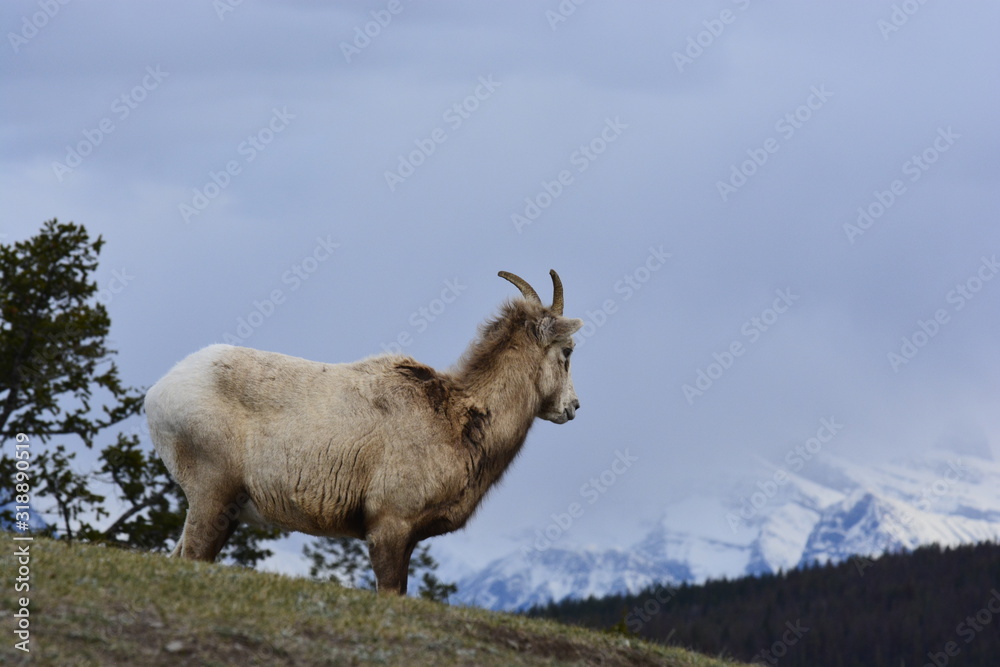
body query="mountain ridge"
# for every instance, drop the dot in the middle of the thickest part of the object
(827, 511)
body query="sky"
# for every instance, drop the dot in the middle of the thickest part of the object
(771, 216)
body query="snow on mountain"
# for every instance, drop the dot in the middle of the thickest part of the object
(827, 510)
(782, 538)
(530, 577)
(694, 532)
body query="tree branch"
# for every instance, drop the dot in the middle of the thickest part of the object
(136, 508)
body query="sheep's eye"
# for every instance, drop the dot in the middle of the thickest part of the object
(567, 351)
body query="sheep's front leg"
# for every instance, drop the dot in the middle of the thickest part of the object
(390, 546)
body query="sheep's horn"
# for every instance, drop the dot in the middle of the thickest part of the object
(557, 293)
(529, 293)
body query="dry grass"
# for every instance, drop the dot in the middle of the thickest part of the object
(98, 606)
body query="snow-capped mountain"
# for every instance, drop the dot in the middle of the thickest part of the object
(827, 510)
(532, 577)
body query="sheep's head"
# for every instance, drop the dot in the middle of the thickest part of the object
(554, 334)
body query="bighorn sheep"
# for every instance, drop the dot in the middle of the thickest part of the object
(385, 449)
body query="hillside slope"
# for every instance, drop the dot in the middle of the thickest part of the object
(99, 606)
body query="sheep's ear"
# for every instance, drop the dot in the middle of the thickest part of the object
(567, 326)
(554, 328)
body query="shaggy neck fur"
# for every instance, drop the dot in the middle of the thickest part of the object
(499, 373)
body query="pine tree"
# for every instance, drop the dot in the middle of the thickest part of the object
(54, 365)
(53, 352)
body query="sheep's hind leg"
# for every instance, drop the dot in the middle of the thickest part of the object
(210, 522)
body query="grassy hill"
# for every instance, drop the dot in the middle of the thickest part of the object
(99, 606)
